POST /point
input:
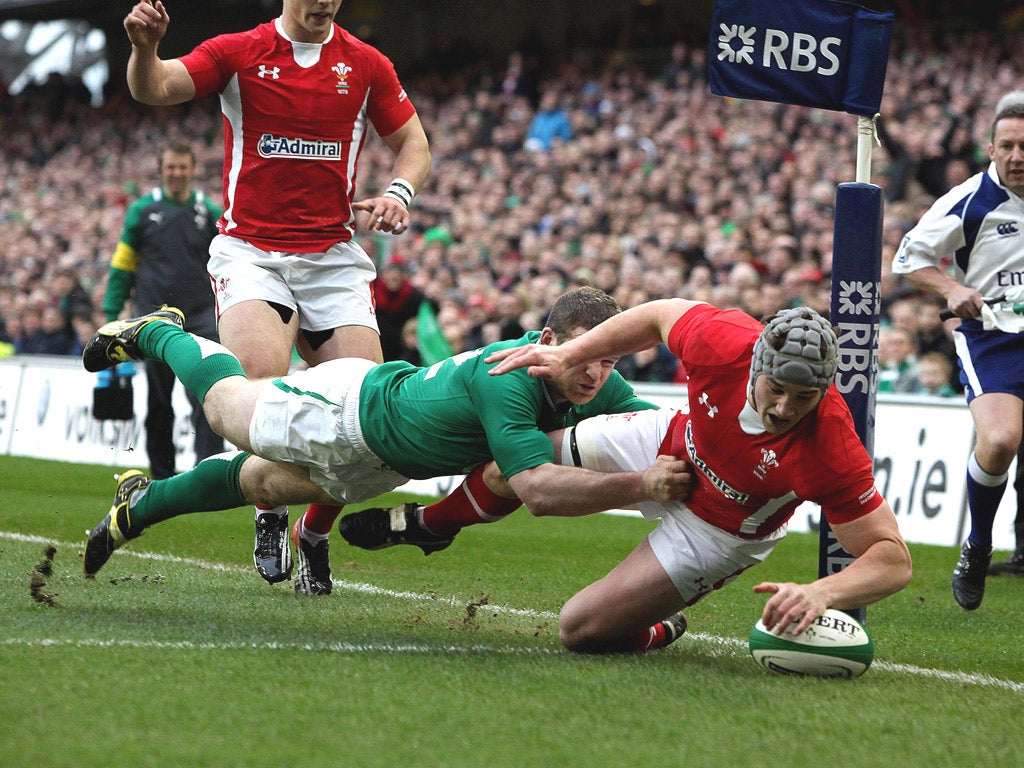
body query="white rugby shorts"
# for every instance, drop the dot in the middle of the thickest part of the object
(311, 418)
(327, 290)
(697, 556)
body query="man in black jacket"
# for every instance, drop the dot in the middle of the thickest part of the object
(161, 259)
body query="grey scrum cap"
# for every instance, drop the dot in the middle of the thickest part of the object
(797, 346)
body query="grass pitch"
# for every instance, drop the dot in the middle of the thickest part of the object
(179, 654)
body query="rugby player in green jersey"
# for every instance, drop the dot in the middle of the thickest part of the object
(348, 430)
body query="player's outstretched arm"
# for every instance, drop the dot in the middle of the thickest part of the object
(882, 567)
(636, 329)
(551, 490)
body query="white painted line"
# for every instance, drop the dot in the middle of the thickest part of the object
(709, 645)
(188, 645)
(352, 586)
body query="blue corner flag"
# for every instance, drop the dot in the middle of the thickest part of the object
(814, 53)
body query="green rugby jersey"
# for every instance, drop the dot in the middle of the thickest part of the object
(446, 419)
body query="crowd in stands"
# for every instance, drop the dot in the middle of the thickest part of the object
(635, 179)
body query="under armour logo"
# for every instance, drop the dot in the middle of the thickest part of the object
(1009, 228)
(274, 73)
(703, 400)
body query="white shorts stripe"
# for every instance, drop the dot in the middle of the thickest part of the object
(963, 352)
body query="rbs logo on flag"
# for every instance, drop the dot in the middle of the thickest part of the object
(801, 54)
(816, 53)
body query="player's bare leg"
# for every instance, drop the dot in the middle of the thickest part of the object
(311, 532)
(262, 335)
(627, 610)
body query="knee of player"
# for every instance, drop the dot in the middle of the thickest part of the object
(1001, 444)
(223, 409)
(569, 638)
(255, 488)
(260, 484)
(215, 418)
(576, 632)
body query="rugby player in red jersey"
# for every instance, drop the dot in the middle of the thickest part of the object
(766, 430)
(298, 95)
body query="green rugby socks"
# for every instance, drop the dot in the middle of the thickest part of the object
(214, 484)
(197, 362)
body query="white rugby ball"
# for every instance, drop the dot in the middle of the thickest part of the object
(835, 645)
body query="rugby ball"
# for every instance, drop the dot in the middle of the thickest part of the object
(835, 645)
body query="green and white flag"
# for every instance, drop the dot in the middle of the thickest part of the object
(433, 346)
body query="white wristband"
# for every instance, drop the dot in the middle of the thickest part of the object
(401, 190)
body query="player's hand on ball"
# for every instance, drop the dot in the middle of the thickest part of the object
(791, 603)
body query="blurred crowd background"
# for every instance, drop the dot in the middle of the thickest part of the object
(550, 171)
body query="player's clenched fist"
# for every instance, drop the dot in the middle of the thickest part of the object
(146, 23)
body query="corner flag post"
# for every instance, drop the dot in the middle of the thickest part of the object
(827, 54)
(855, 312)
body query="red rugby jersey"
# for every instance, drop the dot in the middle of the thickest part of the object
(747, 481)
(296, 116)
